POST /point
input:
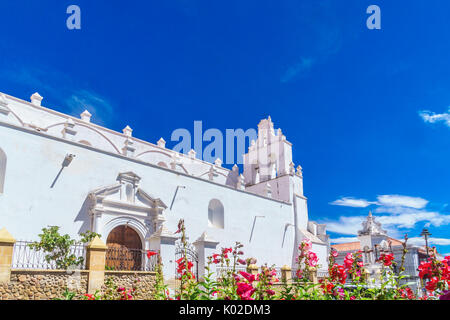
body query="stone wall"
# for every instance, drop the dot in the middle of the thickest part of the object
(144, 282)
(42, 284)
(51, 284)
(33, 284)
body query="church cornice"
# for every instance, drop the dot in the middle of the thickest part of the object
(120, 156)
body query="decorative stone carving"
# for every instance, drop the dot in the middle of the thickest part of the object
(128, 149)
(175, 161)
(129, 182)
(162, 143)
(299, 171)
(241, 182)
(371, 227)
(69, 132)
(36, 99)
(86, 116)
(212, 173)
(252, 145)
(192, 154)
(218, 162)
(126, 203)
(127, 131)
(291, 168)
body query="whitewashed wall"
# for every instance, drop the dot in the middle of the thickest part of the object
(36, 140)
(28, 203)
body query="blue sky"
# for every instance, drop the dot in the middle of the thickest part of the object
(366, 110)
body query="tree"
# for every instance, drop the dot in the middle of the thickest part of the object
(58, 246)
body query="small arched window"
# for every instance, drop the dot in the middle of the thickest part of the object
(2, 170)
(216, 214)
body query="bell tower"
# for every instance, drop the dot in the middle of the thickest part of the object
(269, 157)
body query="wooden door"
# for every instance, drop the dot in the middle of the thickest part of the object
(124, 249)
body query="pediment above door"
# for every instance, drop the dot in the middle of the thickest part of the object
(125, 197)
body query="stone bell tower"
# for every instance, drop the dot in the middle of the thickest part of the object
(370, 236)
(270, 171)
(269, 156)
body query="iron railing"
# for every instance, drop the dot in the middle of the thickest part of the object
(223, 270)
(25, 257)
(321, 274)
(125, 259)
(191, 255)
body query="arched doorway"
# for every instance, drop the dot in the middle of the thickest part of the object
(124, 249)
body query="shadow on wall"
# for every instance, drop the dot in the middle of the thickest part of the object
(84, 216)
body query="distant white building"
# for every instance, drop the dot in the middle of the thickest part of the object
(60, 170)
(373, 241)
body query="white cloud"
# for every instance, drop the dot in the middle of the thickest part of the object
(397, 214)
(432, 117)
(57, 87)
(351, 202)
(419, 241)
(350, 225)
(388, 200)
(298, 69)
(402, 217)
(101, 109)
(396, 200)
(396, 223)
(344, 240)
(346, 225)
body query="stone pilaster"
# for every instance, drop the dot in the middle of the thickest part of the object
(95, 263)
(286, 273)
(252, 269)
(205, 247)
(163, 241)
(6, 255)
(313, 275)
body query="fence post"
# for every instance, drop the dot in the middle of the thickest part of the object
(205, 246)
(252, 269)
(366, 275)
(95, 263)
(6, 254)
(313, 275)
(286, 273)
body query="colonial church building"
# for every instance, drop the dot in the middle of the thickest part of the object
(59, 170)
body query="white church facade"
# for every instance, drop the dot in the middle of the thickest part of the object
(59, 170)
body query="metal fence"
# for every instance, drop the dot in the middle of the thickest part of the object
(125, 259)
(321, 274)
(191, 255)
(223, 270)
(25, 257)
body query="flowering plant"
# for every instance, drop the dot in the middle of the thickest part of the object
(349, 281)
